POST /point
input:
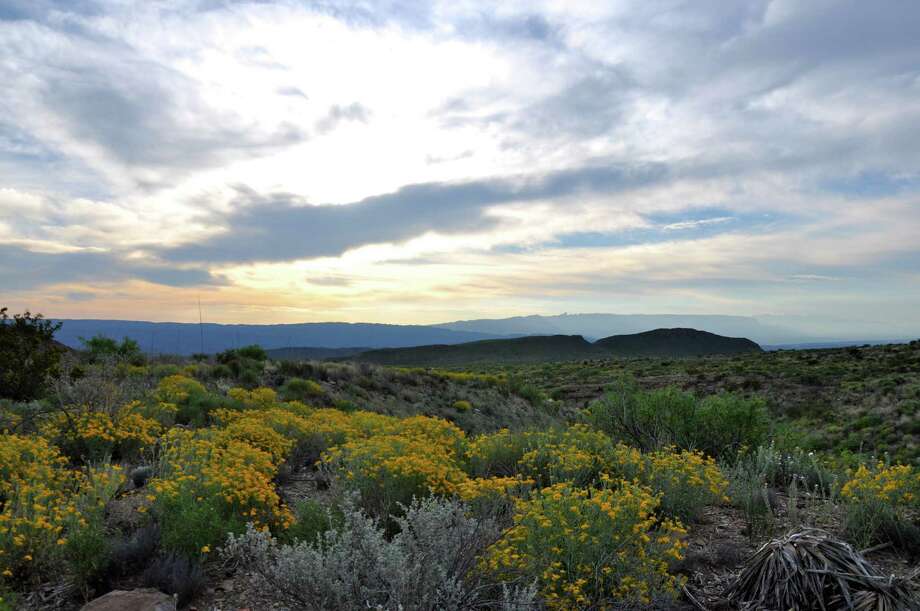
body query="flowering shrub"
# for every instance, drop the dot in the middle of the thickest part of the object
(879, 502)
(178, 389)
(897, 485)
(590, 547)
(493, 496)
(496, 454)
(50, 515)
(575, 454)
(93, 436)
(259, 434)
(687, 481)
(259, 398)
(437, 431)
(212, 485)
(392, 469)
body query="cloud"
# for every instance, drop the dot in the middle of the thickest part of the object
(283, 227)
(694, 224)
(743, 150)
(339, 114)
(26, 269)
(329, 280)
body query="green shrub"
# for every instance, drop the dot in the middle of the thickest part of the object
(312, 519)
(88, 554)
(300, 390)
(191, 525)
(220, 372)
(8, 600)
(462, 405)
(519, 386)
(100, 347)
(28, 355)
(164, 370)
(497, 454)
(717, 425)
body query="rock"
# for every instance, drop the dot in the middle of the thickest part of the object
(132, 600)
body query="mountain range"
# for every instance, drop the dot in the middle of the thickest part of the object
(671, 343)
(188, 338)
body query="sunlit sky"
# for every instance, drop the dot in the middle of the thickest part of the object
(416, 162)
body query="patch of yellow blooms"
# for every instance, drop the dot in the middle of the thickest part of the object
(591, 547)
(897, 485)
(43, 501)
(592, 530)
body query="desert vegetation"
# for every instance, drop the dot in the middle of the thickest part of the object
(312, 485)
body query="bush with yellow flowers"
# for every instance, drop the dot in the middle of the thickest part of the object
(9, 419)
(493, 496)
(687, 481)
(497, 454)
(437, 431)
(590, 547)
(896, 485)
(258, 398)
(574, 454)
(178, 389)
(192, 400)
(881, 501)
(258, 433)
(89, 435)
(211, 484)
(389, 470)
(51, 516)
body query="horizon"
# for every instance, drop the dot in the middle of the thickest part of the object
(425, 163)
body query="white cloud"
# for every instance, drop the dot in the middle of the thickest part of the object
(131, 128)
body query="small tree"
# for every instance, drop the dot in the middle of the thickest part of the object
(99, 347)
(28, 354)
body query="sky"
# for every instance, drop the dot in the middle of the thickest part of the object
(420, 162)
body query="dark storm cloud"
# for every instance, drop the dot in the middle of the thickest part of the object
(285, 228)
(23, 269)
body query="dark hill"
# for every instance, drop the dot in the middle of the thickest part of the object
(671, 343)
(675, 343)
(311, 353)
(535, 348)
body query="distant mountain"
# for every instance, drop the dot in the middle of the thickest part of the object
(309, 353)
(675, 343)
(840, 344)
(189, 338)
(594, 326)
(514, 350)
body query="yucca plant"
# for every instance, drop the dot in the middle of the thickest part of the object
(812, 570)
